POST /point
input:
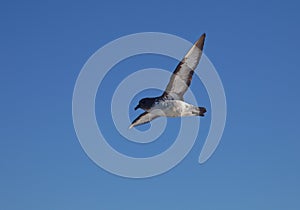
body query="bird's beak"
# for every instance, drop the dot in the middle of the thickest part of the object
(138, 106)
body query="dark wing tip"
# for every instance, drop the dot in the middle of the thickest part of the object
(200, 42)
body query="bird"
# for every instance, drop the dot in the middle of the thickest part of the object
(171, 102)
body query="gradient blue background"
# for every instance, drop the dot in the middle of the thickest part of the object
(253, 44)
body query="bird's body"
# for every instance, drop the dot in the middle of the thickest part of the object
(171, 103)
(174, 108)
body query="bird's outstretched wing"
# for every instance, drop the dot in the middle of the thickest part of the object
(143, 118)
(182, 76)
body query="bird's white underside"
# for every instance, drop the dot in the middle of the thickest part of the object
(173, 108)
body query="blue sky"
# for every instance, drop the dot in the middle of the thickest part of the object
(254, 45)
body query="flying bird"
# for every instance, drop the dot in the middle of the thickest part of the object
(171, 102)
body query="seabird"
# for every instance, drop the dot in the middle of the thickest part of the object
(171, 102)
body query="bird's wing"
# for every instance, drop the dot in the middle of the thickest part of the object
(182, 76)
(143, 118)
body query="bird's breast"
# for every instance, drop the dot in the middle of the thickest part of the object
(167, 108)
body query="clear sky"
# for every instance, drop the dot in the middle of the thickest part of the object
(254, 45)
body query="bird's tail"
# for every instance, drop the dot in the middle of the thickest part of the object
(201, 110)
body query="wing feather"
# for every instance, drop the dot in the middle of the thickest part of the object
(182, 76)
(143, 118)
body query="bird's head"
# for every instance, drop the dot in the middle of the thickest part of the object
(145, 104)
